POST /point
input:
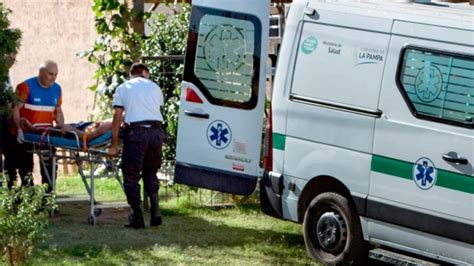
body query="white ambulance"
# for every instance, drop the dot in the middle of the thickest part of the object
(371, 124)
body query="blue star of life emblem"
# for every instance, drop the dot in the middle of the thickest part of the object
(424, 173)
(429, 84)
(219, 134)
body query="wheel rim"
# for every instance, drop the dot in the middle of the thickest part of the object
(331, 232)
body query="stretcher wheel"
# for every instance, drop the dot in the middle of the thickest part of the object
(98, 212)
(109, 165)
(92, 219)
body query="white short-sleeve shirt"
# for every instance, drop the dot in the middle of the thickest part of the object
(141, 99)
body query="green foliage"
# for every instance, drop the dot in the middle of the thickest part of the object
(117, 47)
(23, 217)
(168, 38)
(115, 50)
(10, 41)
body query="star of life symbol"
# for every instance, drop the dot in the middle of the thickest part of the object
(428, 84)
(224, 48)
(219, 134)
(424, 173)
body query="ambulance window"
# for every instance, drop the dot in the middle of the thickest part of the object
(438, 85)
(223, 56)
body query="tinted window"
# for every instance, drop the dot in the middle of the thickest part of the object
(438, 85)
(223, 56)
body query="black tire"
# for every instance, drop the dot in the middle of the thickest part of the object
(332, 231)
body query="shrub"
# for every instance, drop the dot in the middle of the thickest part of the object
(10, 41)
(118, 46)
(23, 216)
(114, 51)
(169, 34)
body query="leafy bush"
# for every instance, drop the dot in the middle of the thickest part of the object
(117, 47)
(10, 41)
(168, 37)
(23, 216)
(114, 51)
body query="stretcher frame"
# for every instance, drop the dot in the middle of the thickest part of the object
(93, 156)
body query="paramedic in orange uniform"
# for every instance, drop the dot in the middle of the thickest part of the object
(39, 102)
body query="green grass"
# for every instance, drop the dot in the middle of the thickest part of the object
(190, 234)
(106, 189)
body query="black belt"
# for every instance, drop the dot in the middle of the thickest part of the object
(152, 124)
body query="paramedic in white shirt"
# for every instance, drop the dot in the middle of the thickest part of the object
(139, 100)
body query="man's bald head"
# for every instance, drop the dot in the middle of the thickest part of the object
(48, 71)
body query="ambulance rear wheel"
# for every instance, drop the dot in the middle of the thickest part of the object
(332, 231)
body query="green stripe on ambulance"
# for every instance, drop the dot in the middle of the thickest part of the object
(402, 169)
(278, 141)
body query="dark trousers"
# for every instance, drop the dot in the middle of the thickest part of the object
(3, 130)
(5, 137)
(16, 156)
(18, 160)
(141, 157)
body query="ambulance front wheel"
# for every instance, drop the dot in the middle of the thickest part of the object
(332, 231)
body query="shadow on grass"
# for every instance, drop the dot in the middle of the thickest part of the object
(71, 236)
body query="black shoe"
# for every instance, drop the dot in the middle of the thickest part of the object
(155, 221)
(135, 222)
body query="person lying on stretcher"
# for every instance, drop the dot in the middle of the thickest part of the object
(85, 131)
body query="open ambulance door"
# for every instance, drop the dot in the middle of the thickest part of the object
(223, 96)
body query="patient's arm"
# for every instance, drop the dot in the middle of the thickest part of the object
(98, 129)
(27, 125)
(93, 131)
(30, 127)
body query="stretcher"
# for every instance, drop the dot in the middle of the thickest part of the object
(69, 148)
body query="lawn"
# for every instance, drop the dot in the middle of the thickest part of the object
(192, 233)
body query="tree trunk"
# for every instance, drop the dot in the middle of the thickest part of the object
(139, 7)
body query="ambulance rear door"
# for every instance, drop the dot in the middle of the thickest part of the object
(223, 96)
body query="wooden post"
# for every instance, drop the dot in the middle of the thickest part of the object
(65, 165)
(73, 169)
(138, 26)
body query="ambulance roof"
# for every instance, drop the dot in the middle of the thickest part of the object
(457, 15)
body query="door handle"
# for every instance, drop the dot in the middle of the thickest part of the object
(194, 114)
(454, 159)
